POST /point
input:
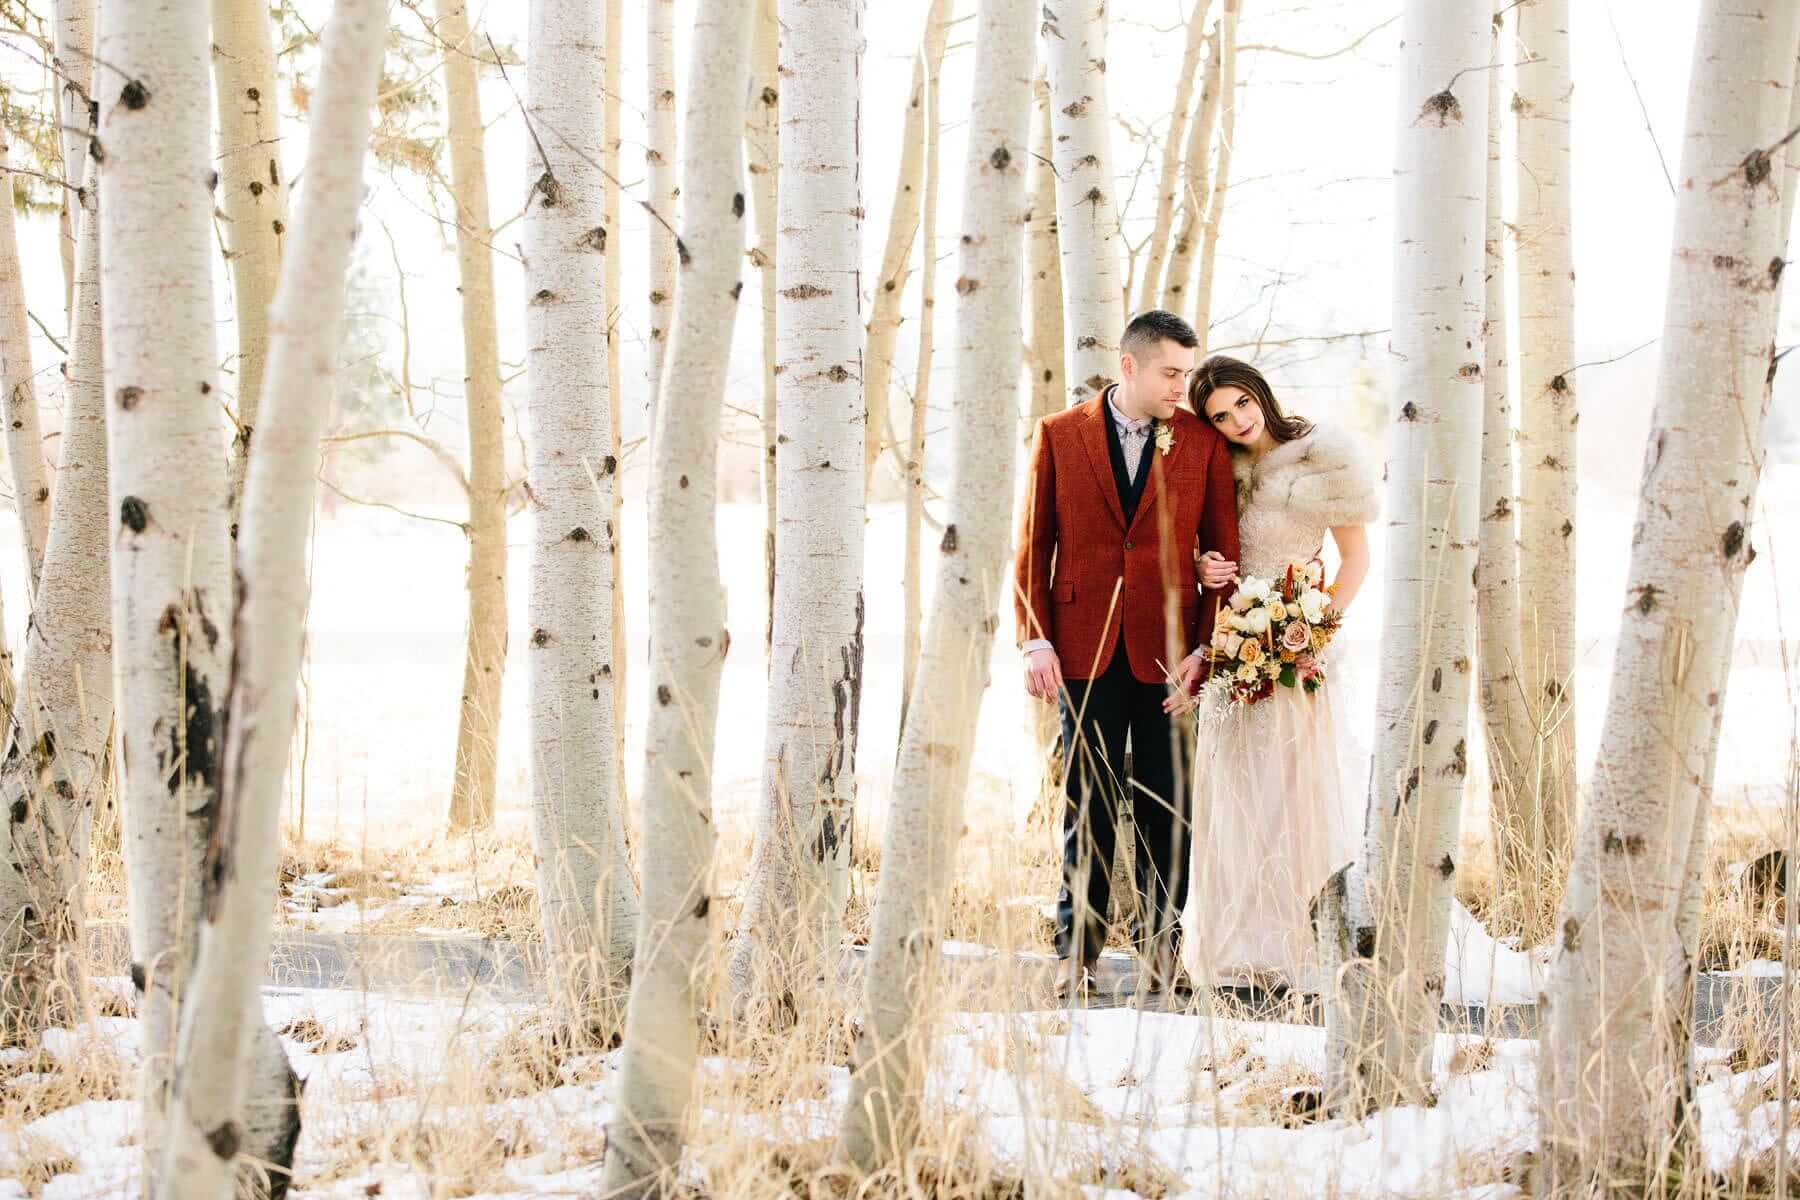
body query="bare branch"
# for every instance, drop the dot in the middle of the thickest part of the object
(438, 450)
(1320, 57)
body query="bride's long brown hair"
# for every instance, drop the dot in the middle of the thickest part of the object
(1223, 371)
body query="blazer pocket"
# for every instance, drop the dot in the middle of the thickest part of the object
(1063, 593)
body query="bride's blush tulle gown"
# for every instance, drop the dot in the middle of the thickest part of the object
(1277, 804)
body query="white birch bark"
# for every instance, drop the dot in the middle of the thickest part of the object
(912, 586)
(1521, 842)
(660, 159)
(1547, 399)
(925, 814)
(223, 1006)
(688, 638)
(1220, 175)
(1087, 222)
(18, 401)
(1169, 183)
(253, 195)
(885, 314)
(171, 570)
(1790, 158)
(55, 771)
(1044, 395)
(1196, 191)
(73, 50)
(1384, 918)
(611, 158)
(761, 135)
(1615, 1098)
(585, 889)
(478, 722)
(799, 877)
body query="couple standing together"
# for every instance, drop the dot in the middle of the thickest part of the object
(1139, 517)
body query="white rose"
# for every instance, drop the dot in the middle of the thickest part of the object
(1246, 673)
(1257, 621)
(1256, 588)
(1293, 612)
(1239, 601)
(1233, 641)
(1312, 573)
(1312, 605)
(1238, 622)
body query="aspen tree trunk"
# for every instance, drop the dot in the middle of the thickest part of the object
(760, 144)
(1196, 191)
(1615, 1091)
(171, 556)
(1087, 221)
(1547, 405)
(912, 598)
(73, 50)
(688, 638)
(55, 773)
(1168, 188)
(223, 1006)
(253, 195)
(1044, 395)
(885, 315)
(585, 888)
(1221, 171)
(925, 813)
(665, 186)
(611, 158)
(18, 404)
(478, 722)
(799, 878)
(1524, 869)
(1382, 920)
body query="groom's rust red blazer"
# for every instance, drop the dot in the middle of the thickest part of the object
(1077, 552)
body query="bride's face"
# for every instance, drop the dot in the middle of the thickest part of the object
(1236, 414)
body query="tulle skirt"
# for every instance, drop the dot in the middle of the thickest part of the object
(1276, 811)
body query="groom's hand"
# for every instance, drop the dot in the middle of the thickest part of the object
(1043, 675)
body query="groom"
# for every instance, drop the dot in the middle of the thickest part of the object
(1124, 491)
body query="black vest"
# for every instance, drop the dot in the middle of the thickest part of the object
(1129, 489)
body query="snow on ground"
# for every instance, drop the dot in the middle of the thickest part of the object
(1114, 1098)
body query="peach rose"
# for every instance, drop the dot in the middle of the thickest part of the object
(1251, 652)
(1296, 637)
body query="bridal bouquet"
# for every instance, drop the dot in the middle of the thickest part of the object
(1273, 634)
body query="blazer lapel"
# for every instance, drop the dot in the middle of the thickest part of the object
(1093, 437)
(1147, 499)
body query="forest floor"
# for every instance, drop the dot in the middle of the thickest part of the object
(463, 1093)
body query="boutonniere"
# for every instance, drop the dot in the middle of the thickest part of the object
(1165, 437)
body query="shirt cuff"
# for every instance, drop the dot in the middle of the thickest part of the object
(1036, 644)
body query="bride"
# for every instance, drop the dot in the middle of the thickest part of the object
(1274, 805)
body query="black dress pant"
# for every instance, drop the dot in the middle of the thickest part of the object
(1097, 717)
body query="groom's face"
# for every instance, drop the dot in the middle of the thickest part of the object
(1158, 381)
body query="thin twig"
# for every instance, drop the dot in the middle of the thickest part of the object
(1636, 91)
(45, 329)
(1329, 53)
(339, 492)
(437, 449)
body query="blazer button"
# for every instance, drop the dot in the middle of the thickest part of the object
(1128, 545)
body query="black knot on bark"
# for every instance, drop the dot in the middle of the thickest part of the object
(578, 534)
(1559, 383)
(948, 545)
(737, 289)
(138, 977)
(1409, 411)
(134, 95)
(965, 285)
(609, 465)
(133, 514)
(737, 204)
(1734, 539)
(540, 637)
(681, 252)
(701, 907)
(1571, 934)
(1444, 108)
(547, 187)
(663, 694)
(1756, 168)
(129, 395)
(1447, 867)
(1646, 600)
(224, 1140)
(770, 97)
(1001, 158)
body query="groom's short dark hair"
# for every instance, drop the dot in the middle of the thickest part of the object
(1152, 326)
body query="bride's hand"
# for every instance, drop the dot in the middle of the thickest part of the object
(1215, 569)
